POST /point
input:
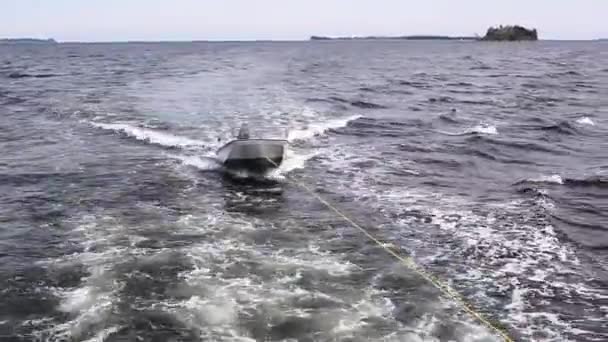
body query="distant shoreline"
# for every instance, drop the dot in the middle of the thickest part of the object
(27, 41)
(416, 37)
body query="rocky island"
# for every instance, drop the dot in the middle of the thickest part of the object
(510, 33)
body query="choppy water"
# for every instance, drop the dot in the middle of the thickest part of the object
(487, 163)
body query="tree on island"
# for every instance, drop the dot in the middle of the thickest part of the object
(510, 33)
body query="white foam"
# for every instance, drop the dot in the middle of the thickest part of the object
(212, 311)
(214, 298)
(200, 162)
(513, 255)
(315, 129)
(90, 307)
(319, 262)
(534, 248)
(479, 129)
(90, 304)
(79, 299)
(103, 334)
(150, 135)
(585, 121)
(292, 161)
(517, 302)
(557, 179)
(484, 129)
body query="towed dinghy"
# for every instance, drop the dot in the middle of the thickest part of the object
(256, 155)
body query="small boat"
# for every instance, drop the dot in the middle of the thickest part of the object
(256, 155)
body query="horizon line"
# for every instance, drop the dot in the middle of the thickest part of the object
(354, 38)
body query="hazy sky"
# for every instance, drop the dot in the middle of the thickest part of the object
(119, 20)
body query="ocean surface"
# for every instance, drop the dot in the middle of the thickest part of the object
(487, 163)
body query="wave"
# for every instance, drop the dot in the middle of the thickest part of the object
(585, 121)
(565, 73)
(478, 102)
(150, 135)
(12, 100)
(513, 143)
(381, 128)
(562, 128)
(596, 181)
(399, 92)
(479, 129)
(593, 181)
(442, 99)
(17, 75)
(416, 147)
(29, 178)
(316, 99)
(458, 91)
(367, 105)
(583, 85)
(316, 129)
(535, 85)
(368, 89)
(338, 99)
(415, 84)
(555, 179)
(460, 84)
(577, 222)
(357, 103)
(531, 190)
(481, 67)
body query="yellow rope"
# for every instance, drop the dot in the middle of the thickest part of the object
(411, 264)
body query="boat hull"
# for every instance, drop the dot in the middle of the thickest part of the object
(258, 165)
(256, 155)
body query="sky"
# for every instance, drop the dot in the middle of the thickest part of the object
(154, 20)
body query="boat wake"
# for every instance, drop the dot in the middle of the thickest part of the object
(295, 156)
(203, 163)
(151, 136)
(315, 129)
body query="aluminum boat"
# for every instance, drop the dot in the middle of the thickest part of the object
(257, 155)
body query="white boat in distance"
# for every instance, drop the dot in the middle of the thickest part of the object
(257, 155)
